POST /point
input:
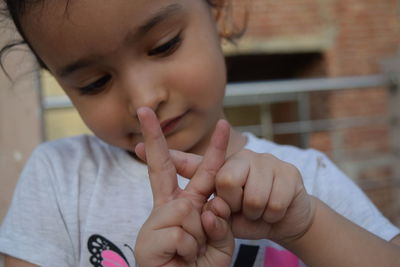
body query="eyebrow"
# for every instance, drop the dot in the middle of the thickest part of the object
(160, 16)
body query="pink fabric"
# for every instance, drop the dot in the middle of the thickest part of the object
(279, 258)
(112, 259)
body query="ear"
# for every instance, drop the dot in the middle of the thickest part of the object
(217, 8)
(231, 20)
(221, 13)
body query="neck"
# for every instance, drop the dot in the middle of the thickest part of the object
(236, 142)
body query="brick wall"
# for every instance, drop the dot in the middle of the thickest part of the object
(282, 18)
(354, 37)
(367, 32)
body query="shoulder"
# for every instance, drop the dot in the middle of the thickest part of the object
(83, 160)
(70, 146)
(60, 160)
(77, 149)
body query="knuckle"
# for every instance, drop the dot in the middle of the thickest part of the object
(210, 172)
(291, 168)
(246, 152)
(268, 159)
(177, 235)
(273, 217)
(254, 203)
(292, 172)
(163, 166)
(295, 172)
(183, 206)
(225, 180)
(276, 206)
(167, 164)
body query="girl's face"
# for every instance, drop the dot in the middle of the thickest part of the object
(114, 56)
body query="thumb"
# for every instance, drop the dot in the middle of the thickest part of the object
(186, 164)
(140, 152)
(215, 220)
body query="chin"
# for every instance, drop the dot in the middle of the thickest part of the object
(127, 143)
(189, 143)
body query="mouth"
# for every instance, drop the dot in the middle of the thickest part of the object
(170, 125)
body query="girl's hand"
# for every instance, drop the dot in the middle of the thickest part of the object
(266, 195)
(173, 234)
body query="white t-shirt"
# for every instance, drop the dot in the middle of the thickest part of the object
(80, 201)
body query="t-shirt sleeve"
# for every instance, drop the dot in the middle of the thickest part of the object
(339, 192)
(33, 229)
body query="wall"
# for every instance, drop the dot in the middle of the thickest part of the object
(354, 38)
(20, 116)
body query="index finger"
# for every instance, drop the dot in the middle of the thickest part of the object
(162, 172)
(203, 181)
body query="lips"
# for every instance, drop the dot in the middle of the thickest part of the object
(169, 125)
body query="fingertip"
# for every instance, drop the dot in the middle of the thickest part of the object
(140, 151)
(221, 135)
(143, 110)
(139, 147)
(143, 113)
(223, 123)
(140, 112)
(220, 207)
(215, 227)
(226, 126)
(218, 232)
(209, 221)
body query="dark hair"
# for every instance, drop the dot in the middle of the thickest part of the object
(15, 9)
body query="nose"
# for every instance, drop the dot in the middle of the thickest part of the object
(143, 90)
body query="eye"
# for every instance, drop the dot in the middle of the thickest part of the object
(95, 87)
(168, 48)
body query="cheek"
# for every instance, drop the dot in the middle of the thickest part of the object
(202, 78)
(100, 116)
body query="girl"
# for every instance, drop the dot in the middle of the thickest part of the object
(146, 76)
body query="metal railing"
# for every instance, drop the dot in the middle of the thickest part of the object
(264, 93)
(267, 91)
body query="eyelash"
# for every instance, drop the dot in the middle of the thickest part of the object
(95, 87)
(163, 50)
(168, 48)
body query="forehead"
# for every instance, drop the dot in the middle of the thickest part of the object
(85, 13)
(72, 27)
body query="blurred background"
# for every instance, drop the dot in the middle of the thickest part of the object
(312, 73)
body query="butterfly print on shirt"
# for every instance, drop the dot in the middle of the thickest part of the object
(105, 253)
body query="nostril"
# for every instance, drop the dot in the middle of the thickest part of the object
(132, 111)
(146, 95)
